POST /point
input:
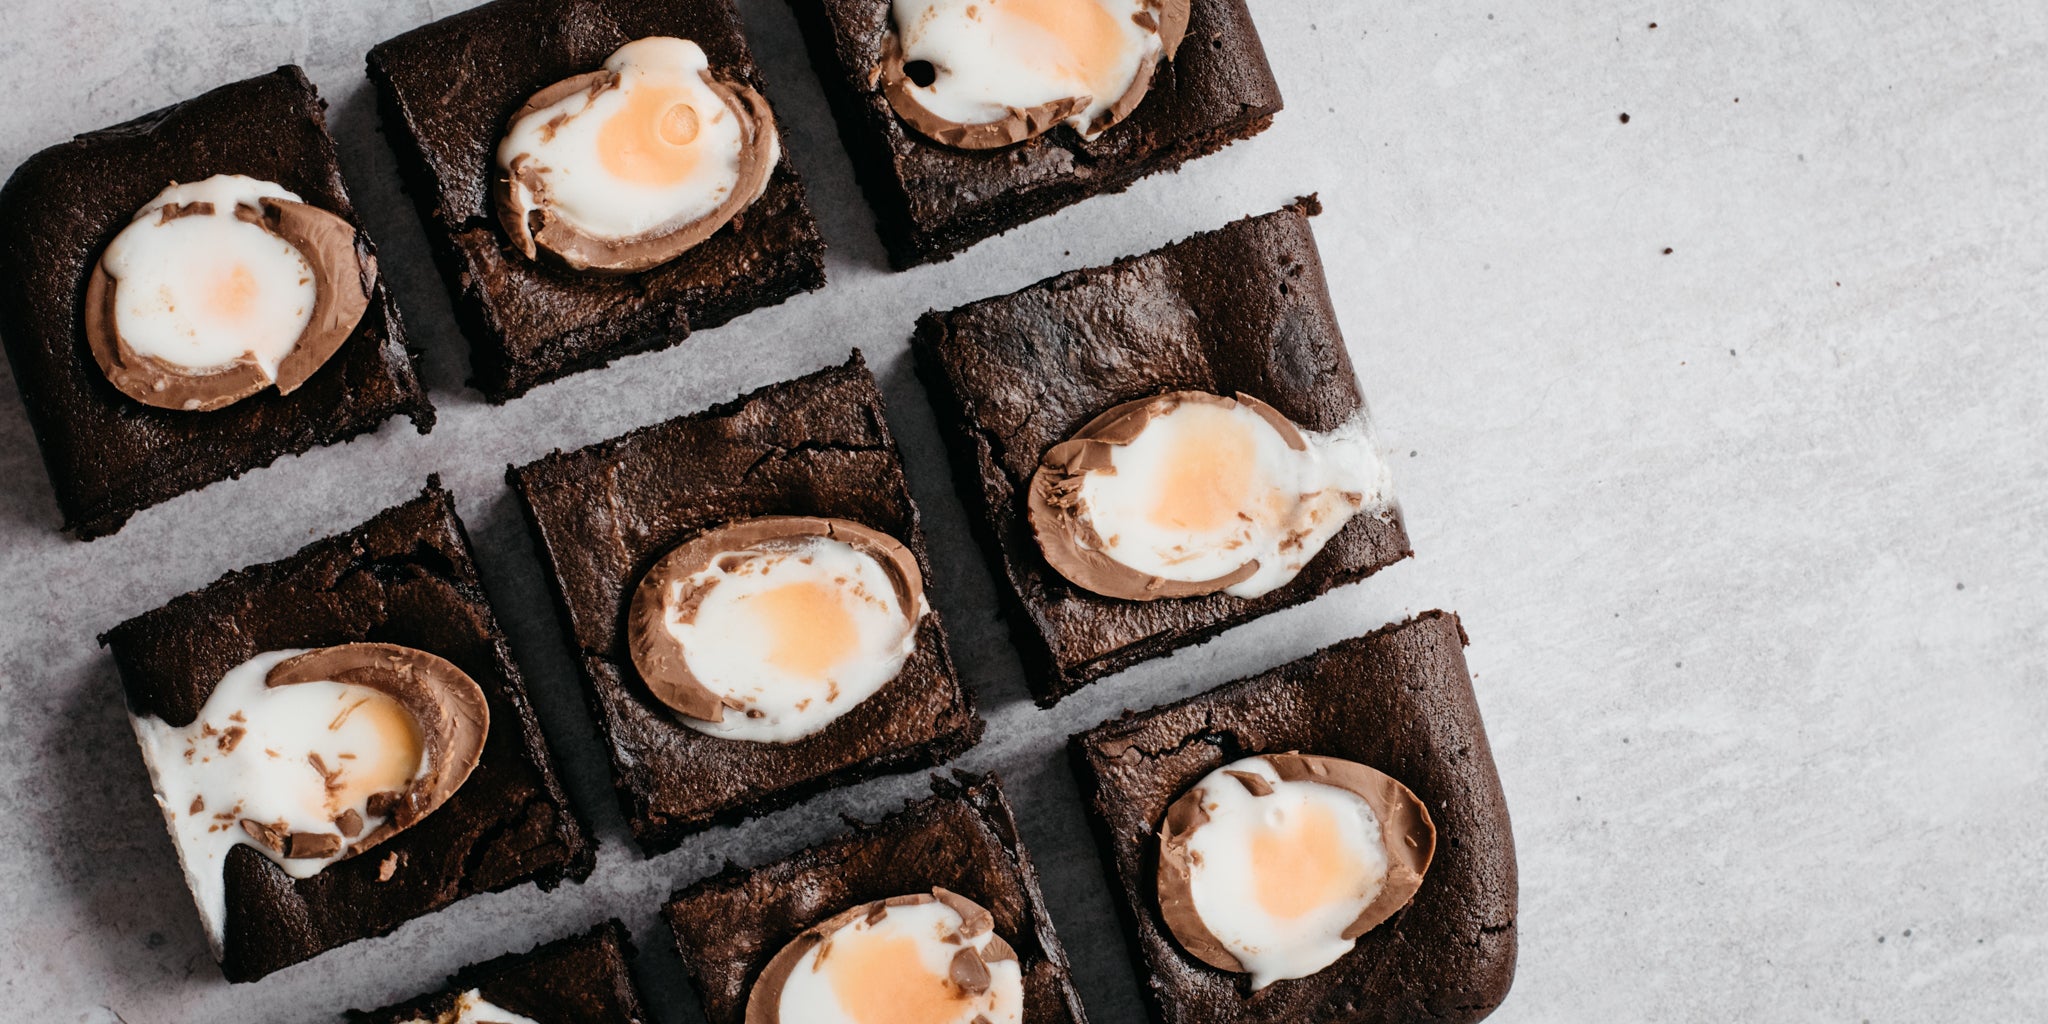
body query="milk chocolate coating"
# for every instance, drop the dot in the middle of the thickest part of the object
(535, 230)
(447, 705)
(1405, 830)
(344, 278)
(1170, 17)
(656, 652)
(764, 1002)
(1069, 539)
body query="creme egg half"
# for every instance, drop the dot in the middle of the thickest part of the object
(220, 288)
(769, 629)
(1191, 493)
(625, 168)
(1273, 866)
(923, 959)
(289, 758)
(1019, 67)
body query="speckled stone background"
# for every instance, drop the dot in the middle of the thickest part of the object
(1722, 424)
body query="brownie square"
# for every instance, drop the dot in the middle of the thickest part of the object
(1398, 700)
(963, 838)
(1240, 310)
(109, 455)
(405, 577)
(583, 979)
(447, 91)
(816, 446)
(931, 201)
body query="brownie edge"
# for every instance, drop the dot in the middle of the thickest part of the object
(1399, 699)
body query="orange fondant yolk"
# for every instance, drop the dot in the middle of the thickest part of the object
(648, 141)
(808, 625)
(1082, 39)
(388, 753)
(231, 293)
(883, 980)
(1303, 864)
(1211, 470)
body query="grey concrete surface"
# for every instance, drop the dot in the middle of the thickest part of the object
(1722, 425)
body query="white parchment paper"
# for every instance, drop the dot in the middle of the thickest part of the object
(1749, 536)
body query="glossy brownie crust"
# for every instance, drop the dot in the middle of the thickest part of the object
(931, 201)
(405, 577)
(1243, 309)
(816, 446)
(964, 838)
(583, 979)
(1399, 700)
(447, 90)
(110, 456)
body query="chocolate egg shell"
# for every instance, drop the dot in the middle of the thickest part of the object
(1405, 830)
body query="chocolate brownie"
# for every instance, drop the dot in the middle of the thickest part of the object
(1398, 700)
(931, 200)
(578, 980)
(963, 839)
(405, 577)
(602, 515)
(109, 455)
(447, 91)
(1239, 310)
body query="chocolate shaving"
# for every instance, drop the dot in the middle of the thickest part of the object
(1406, 832)
(231, 739)
(1255, 783)
(1069, 540)
(445, 703)
(389, 866)
(264, 834)
(535, 229)
(311, 845)
(350, 823)
(968, 971)
(666, 590)
(344, 275)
